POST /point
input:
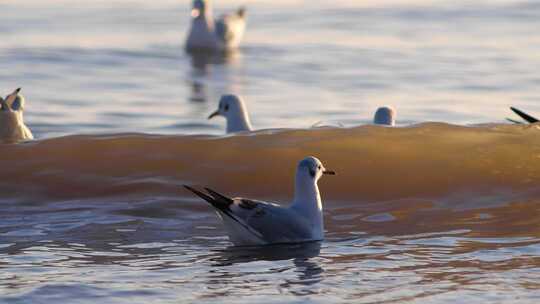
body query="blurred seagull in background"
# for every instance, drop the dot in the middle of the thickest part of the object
(234, 110)
(223, 34)
(12, 127)
(252, 222)
(385, 116)
(525, 116)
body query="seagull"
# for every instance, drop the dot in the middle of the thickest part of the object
(525, 116)
(385, 116)
(251, 222)
(207, 35)
(12, 127)
(234, 110)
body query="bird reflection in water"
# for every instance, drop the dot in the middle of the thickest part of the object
(202, 63)
(202, 60)
(198, 91)
(308, 270)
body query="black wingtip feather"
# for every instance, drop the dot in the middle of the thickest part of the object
(200, 194)
(217, 200)
(514, 121)
(524, 115)
(220, 196)
(222, 203)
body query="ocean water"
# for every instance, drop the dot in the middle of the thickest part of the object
(443, 209)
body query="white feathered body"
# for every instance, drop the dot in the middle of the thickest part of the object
(230, 31)
(12, 127)
(225, 33)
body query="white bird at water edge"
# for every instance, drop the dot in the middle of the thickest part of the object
(12, 127)
(223, 34)
(253, 222)
(233, 108)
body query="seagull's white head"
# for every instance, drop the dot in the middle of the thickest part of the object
(385, 116)
(312, 168)
(200, 8)
(232, 107)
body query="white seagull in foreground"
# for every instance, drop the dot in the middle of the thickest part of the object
(251, 222)
(234, 110)
(12, 127)
(223, 34)
(385, 116)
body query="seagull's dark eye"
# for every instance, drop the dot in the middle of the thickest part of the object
(226, 108)
(319, 167)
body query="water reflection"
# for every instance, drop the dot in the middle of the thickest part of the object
(202, 60)
(307, 269)
(198, 91)
(202, 72)
(295, 252)
(309, 272)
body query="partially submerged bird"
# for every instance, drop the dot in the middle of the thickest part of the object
(208, 35)
(385, 116)
(528, 118)
(12, 127)
(234, 110)
(252, 222)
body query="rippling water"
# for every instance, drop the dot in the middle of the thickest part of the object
(93, 210)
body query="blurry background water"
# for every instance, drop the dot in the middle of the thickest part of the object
(119, 66)
(100, 219)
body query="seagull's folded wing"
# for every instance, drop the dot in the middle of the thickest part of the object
(275, 223)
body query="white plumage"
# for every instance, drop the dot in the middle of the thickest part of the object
(12, 127)
(205, 34)
(233, 108)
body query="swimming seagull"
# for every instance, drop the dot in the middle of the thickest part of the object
(207, 35)
(234, 110)
(385, 116)
(12, 127)
(525, 116)
(252, 222)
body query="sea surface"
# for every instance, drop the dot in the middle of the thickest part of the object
(445, 208)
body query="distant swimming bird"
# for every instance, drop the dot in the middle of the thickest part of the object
(527, 117)
(385, 116)
(234, 110)
(12, 127)
(251, 222)
(207, 35)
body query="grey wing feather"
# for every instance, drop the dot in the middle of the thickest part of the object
(273, 222)
(266, 221)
